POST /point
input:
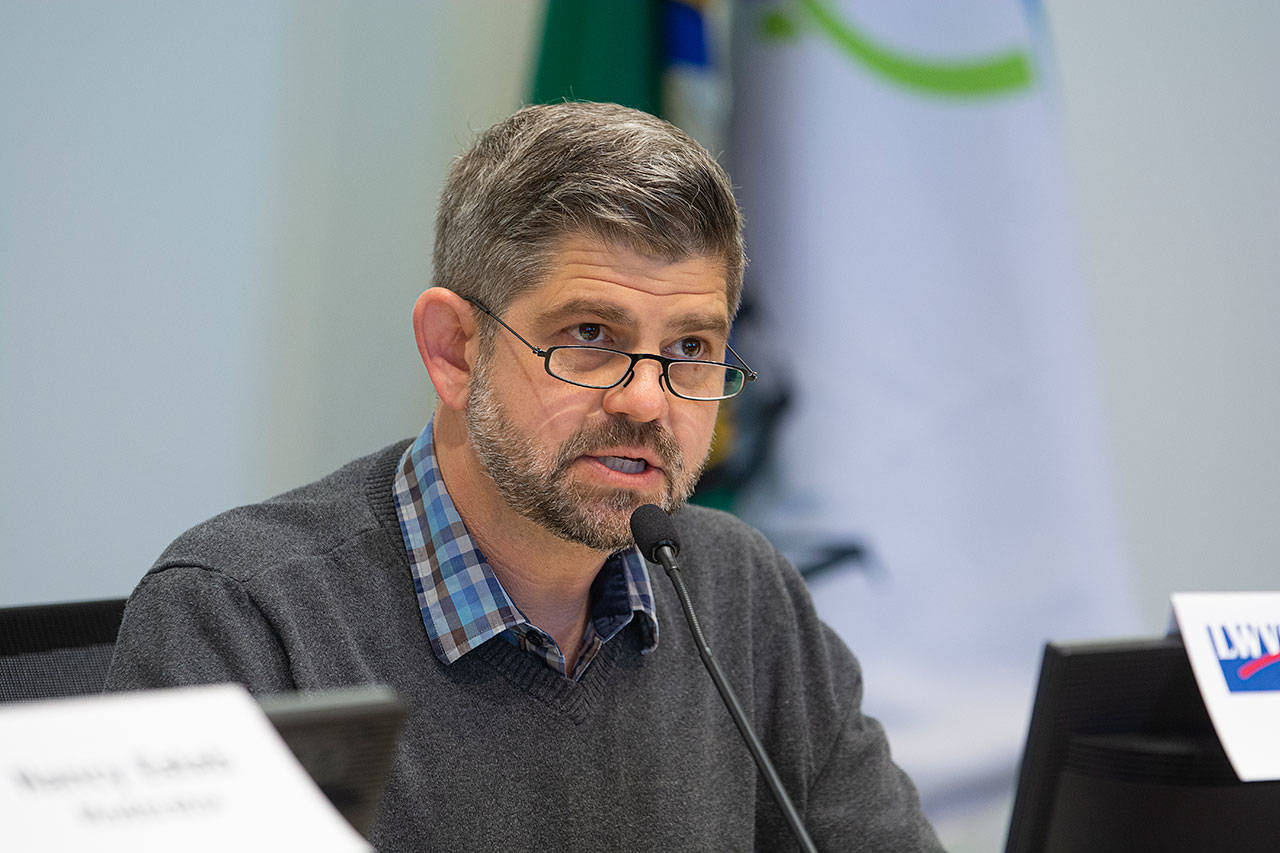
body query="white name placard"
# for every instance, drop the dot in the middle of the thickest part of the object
(1233, 641)
(191, 769)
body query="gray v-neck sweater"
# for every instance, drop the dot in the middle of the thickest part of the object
(312, 590)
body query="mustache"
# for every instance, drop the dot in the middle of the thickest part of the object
(619, 430)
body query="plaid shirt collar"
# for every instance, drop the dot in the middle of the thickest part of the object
(462, 602)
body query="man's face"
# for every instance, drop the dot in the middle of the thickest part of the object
(577, 461)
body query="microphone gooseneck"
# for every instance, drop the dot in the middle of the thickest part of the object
(655, 535)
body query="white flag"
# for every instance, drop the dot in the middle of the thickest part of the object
(915, 291)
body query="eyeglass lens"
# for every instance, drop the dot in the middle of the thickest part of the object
(602, 368)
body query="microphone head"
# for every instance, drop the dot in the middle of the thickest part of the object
(652, 529)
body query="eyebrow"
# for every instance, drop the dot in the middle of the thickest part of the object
(580, 307)
(685, 324)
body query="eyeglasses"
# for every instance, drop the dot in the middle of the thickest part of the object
(599, 367)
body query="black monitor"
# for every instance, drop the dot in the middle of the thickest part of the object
(1121, 756)
(345, 739)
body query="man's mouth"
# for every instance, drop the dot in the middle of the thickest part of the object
(623, 464)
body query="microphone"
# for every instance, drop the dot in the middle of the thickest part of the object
(654, 532)
(656, 536)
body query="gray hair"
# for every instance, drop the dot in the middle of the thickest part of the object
(598, 170)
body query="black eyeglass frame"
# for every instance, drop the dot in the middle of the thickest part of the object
(748, 374)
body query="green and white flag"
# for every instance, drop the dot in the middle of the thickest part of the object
(666, 57)
(939, 458)
(593, 51)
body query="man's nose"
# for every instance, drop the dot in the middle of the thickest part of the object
(640, 396)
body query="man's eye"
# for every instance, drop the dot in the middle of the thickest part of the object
(691, 348)
(588, 333)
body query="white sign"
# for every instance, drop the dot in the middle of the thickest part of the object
(191, 769)
(1233, 641)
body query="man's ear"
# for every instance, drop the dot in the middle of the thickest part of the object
(445, 329)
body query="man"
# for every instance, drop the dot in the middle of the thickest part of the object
(589, 263)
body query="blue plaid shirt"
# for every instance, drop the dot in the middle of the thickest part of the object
(463, 603)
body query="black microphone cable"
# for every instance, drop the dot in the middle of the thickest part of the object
(655, 534)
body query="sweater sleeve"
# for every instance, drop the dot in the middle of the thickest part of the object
(851, 794)
(192, 625)
(860, 799)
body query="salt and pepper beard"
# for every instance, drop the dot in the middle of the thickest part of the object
(538, 486)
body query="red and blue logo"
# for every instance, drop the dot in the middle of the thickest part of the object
(1249, 655)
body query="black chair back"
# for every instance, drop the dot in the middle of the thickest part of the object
(49, 650)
